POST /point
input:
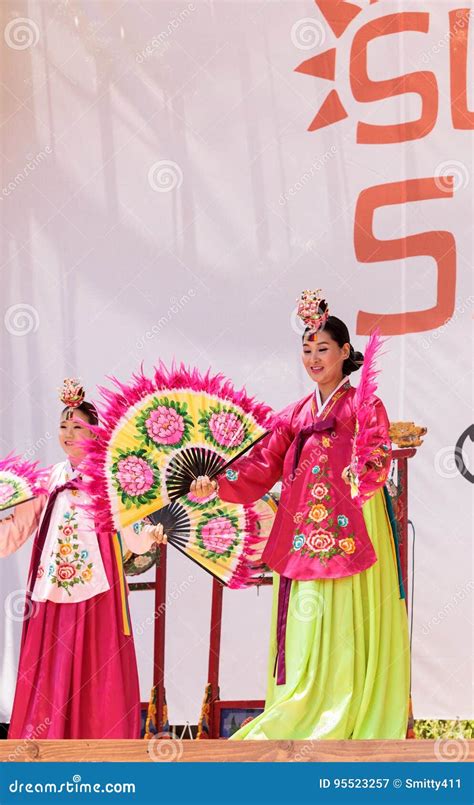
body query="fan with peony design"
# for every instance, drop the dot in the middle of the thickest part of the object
(20, 481)
(226, 539)
(158, 434)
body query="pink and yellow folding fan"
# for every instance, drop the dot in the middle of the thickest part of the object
(226, 539)
(20, 481)
(157, 434)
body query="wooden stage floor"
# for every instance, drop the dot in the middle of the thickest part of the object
(165, 751)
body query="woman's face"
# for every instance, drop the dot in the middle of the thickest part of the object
(323, 358)
(72, 429)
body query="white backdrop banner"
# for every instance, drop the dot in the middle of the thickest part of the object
(172, 176)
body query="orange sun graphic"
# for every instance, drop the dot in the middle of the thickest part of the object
(338, 14)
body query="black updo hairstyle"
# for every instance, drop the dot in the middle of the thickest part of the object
(340, 334)
(88, 409)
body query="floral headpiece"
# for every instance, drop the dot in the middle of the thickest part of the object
(72, 392)
(313, 310)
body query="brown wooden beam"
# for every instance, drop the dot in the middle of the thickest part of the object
(222, 751)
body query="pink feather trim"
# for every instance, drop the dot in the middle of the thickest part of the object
(249, 567)
(364, 400)
(29, 471)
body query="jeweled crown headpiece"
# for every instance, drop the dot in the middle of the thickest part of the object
(72, 392)
(313, 310)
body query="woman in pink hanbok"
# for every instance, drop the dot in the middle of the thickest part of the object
(339, 653)
(77, 675)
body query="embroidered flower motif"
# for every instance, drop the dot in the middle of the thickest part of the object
(223, 426)
(66, 572)
(326, 441)
(322, 543)
(219, 534)
(320, 540)
(231, 475)
(347, 545)
(226, 428)
(318, 513)
(298, 541)
(165, 425)
(298, 518)
(69, 556)
(134, 475)
(319, 491)
(40, 572)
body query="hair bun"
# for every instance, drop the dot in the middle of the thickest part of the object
(353, 362)
(72, 392)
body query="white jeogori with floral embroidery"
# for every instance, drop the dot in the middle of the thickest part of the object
(71, 567)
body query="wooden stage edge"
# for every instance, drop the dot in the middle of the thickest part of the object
(165, 751)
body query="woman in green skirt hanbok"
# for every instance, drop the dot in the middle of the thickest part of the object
(339, 663)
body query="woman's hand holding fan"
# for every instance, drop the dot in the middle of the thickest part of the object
(203, 487)
(155, 534)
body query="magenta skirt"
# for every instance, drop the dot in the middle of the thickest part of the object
(77, 675)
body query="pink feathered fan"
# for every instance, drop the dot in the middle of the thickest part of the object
(159, 433)
(20, 481)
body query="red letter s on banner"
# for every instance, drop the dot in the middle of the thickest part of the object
(439, 244)
(423, 83)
